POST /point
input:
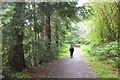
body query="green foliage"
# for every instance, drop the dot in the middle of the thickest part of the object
(34, 25)
(105, 55)
(103, 65)
(7, 12)
(86, 48)
(102, 22)
(107, 51)
(63, 50)
(102, 34)
(9, 72)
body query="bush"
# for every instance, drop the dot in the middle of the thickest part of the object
(108, 52)
(103, 58)
(63, 50)
(9, 72)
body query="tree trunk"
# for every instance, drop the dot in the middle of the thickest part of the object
(17, 60)
(118, 21)
(35, 30)
(56, 31)
(48, 33)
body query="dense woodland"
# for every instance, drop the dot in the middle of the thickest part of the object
(34, 33)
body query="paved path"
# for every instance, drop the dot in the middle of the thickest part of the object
(75, 67)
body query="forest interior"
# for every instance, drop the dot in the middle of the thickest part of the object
(35, 38)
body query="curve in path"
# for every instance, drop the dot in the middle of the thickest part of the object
(75, 67)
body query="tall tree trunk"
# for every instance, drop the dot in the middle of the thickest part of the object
(17, 58)
(56, 31)
(48, 33)
(35, 28)
(118, 21)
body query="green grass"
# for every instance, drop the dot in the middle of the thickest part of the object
(101, 69)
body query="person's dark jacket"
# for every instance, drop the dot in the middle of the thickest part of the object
(71, 49)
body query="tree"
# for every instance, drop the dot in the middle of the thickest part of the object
(104, 28)
(37, 28)
(16, 53)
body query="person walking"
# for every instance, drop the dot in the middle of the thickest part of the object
(71, 51)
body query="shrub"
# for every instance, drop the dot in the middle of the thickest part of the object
(9, 72)
(108, 52)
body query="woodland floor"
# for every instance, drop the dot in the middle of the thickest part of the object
(67, 67)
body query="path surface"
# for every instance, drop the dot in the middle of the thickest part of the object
(75, 67)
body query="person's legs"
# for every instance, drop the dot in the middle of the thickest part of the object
(71, 54)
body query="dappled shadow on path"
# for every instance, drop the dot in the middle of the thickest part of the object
(67, 67)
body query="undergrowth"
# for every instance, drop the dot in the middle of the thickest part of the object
(9, 72)
(63, 50)
(103, 59)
